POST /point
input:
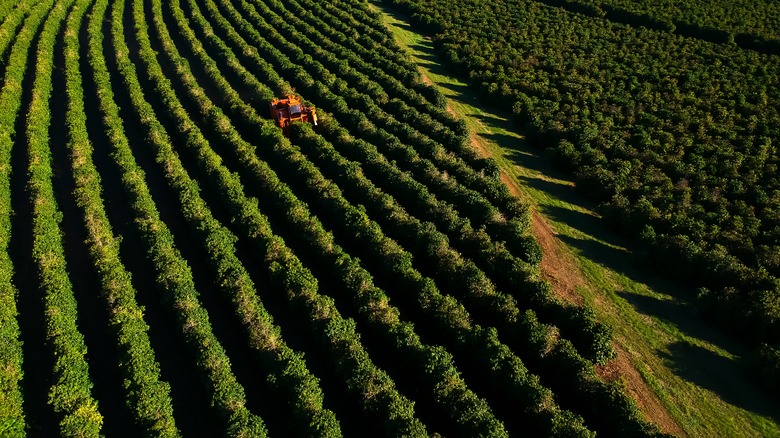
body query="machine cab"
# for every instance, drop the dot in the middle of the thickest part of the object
(286, 111)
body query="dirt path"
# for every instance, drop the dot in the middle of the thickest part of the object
(557, 268)
(565, 276)
(623, 368)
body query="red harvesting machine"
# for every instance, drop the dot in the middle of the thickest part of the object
(286, 111)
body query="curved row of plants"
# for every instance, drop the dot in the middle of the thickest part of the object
(12, 25)
(70, 393)
(12, 415)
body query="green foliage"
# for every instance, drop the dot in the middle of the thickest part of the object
(679, 140)
(12, 417)
(70, 393)
(752, 21)
(171, 271)
(146, 395)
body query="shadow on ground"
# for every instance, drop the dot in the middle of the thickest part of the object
(675, 312)
(404, 25)
(721, 375)
(489, 120)
(728, 378)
